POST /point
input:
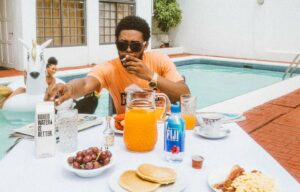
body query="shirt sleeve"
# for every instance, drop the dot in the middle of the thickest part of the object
(99, 72)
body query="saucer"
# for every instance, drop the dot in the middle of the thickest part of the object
(221, 134)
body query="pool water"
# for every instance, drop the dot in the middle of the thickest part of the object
(213, 84)
(210, 83)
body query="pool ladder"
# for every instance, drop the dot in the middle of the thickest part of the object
(292, 67)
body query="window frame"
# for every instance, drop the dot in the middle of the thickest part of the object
(61, 25)
(116, 2)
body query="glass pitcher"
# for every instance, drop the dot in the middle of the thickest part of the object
(140, 130)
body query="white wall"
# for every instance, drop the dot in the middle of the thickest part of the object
(240, 28)
(24, 28)
(79, 55)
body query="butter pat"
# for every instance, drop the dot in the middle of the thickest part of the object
(44, 138)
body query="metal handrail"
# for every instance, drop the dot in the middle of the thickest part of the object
(292, 67)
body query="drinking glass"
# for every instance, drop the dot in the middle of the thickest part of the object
(66, 122)
(161, 101)
(188, 104)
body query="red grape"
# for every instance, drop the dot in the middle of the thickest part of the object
(70, 160)
(95, 149)
(87, 159)
(89, 151)
(79, 159)
(96, 164)
(89, 165)
(94, 156)
(103, 155)
(108, 153)
(84, 152)
(79, 153)
(76, 165)
(106, 161)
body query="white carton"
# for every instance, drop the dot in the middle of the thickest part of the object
(44, 138)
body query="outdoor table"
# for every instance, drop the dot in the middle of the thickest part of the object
(20, 170)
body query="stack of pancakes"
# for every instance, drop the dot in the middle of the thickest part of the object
(146, 178)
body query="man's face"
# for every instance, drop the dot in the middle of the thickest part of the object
(51, 70)
(132, 37)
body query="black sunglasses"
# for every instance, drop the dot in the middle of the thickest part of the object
(134, 46)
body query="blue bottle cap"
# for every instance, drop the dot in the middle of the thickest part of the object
(175, 108)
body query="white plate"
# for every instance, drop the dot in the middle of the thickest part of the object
(112, 124)
(88, 173)
(219, 175)
(221, 134)
(179, 185)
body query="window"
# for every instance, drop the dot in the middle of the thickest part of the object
(63, 21)
(110, 13)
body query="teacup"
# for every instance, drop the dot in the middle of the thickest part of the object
(211, 123)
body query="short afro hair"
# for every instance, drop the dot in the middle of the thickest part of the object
(51, 61)
(133, 23)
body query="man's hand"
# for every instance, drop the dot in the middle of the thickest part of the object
(136, 67)
(58, 93)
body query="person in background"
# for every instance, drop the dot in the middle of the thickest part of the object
(7, 92)
(152, 70)
(51, 69)
(88, 104)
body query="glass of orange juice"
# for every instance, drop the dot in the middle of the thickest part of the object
(188, 104)
(160, 106)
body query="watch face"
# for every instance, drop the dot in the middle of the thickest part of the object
(152, 84)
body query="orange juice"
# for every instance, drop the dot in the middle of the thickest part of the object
(190, 121)
(140, 133)
(159, 113)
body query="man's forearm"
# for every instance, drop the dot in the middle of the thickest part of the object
(82, 86)
(172, 89)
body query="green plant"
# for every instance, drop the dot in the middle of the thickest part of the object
(167, 14)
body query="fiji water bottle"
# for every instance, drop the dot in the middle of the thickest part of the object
(174, 136)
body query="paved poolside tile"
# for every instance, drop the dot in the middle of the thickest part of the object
(261, 115)
(10, 73)
(281, 141)
(291, 119)
(290, 100)
(14, 72)
(276, 127)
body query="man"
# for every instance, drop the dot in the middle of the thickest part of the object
(133, 66)
(51, 69)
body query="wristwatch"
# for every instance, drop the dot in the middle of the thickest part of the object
(153, 81)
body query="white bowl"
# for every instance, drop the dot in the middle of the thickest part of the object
(90, 172)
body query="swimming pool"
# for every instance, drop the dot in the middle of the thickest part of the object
(211, 81)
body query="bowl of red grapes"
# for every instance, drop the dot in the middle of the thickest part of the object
(90, 162)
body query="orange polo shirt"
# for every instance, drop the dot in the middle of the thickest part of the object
(114, 77)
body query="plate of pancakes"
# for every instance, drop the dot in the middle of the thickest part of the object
(147, 178)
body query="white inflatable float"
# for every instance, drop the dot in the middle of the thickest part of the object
(21, 107)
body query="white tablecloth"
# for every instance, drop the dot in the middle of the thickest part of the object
(21, 171)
